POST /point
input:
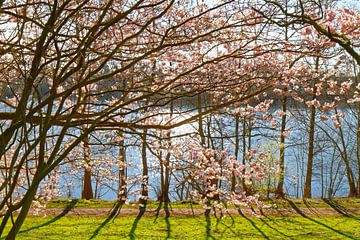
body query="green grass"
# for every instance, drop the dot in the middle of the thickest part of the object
(318, 203)
(97, 203)
(191, 228)
(81, 203)
(312, 203)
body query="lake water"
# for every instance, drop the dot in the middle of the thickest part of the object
(328, 168)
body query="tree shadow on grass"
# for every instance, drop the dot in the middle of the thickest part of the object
(298, 210)
(208, 225)
(166, 209)
(253, 224)
(229, 227)
(308, 206)
(167, 217)
(113, 214)
(339, 208)
(66, 210)
(136, 222)
(168, 227)
(272, 227)
(158, 209)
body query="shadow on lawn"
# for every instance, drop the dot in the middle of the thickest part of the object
(136, 222)
(298, 210)
(253, 224)
(270, 226)
(66, 210)
(228, 227)
(338, 208)
(168, 227)
(208, 226)
(166, 209)
(309, 207)
(114, 212)
(167, 217)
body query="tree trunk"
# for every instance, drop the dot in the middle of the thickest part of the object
(250, 189)
(165, 190)
(87, 192)
(244, 153)
(145, 177)
(358, 148)
(344, 156)
(122, 169)
(233, 181)
(200, 122)
(23, 212)
(165, 194)
(308, 178)
(280, 186)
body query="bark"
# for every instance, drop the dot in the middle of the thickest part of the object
(280, 186)
(19, 118)
(122, 168)
(344, 156)
(200, 122)
(244, 153)
(87, 192)
(358, 148)
(24, 211)
(233, 181)
(249, 189)
(144, 184)
(165, 191)
(166, 165)
(309, 168)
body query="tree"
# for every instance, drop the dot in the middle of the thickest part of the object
(71, 69)
(53, 51)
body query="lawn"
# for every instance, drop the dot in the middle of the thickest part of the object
(199, 227)
(278, 203)
(98, 203)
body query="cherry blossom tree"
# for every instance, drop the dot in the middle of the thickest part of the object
(133, 56)
(71, 70)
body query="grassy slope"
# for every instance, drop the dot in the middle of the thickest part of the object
(314, 203)
(176, 227)
(192, 228)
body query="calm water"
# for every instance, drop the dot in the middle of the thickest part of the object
(328, 166)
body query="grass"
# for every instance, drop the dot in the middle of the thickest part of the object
(181, 227)
(318, 203)
(97, 203)
(200, 227)
(313, 203)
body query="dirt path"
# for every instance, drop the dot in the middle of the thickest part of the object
(190, 212)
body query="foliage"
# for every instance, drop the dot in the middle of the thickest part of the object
(84, 81)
